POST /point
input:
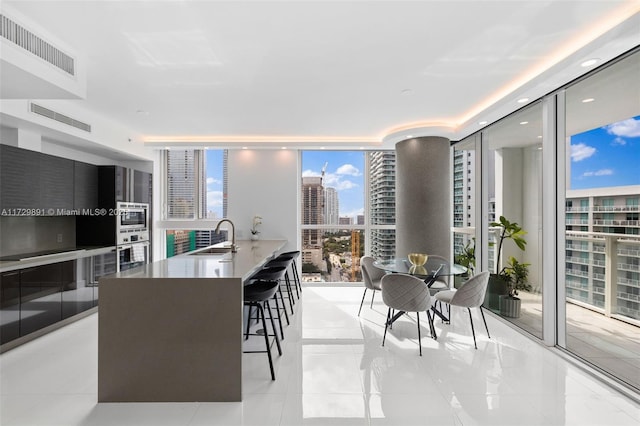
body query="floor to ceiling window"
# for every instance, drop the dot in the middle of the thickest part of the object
(514, 171)
(348, 210)
(195, 189)
(465, 204)
(602, 271)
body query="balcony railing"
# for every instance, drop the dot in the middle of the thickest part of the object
(609, 275)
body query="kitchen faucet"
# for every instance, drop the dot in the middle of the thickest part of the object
(234, 249)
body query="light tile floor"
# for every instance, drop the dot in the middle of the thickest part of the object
(333, 372)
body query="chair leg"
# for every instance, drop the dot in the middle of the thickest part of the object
(296, 276)
(288, 284)
(432, 327)
(386, 325)
(275, 296)
(472, 330)
(363, 295)
(273, 327)
(485, 322)
(373, 294)
(246, 335)
(419, 336)
(284, 307)
(266, 339)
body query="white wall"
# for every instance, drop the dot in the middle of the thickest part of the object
(265, 183)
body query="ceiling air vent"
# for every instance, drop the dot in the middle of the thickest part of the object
(45, 112)
(34, 44)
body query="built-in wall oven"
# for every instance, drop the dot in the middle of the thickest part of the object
(132, 255)
(132, 235)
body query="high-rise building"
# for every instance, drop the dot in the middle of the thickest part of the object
(597, 220)
(382, 201)
(186, 171)
(464, 196)
(331, 206)
(345, 220)
(360, 219)
(312, 214)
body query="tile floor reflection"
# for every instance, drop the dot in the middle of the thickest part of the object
(333, 372)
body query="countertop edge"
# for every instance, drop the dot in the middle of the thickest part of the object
(8, 266)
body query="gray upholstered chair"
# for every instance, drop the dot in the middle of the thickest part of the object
(469, 295)
(442, 281)
(406, 293)
(371, 277)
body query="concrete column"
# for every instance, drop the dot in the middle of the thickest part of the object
(423, 196)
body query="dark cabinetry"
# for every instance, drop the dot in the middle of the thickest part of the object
(36, 297)
(85, 186)
(20, 178)
(142, 188)
(56, 183)
(121, 184)
(32, 180)
(9, 306)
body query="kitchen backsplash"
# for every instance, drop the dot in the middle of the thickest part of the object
(28, 234)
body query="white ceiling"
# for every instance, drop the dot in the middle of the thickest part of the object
(326, 72)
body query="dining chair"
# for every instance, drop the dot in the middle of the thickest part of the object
(371, 277)
(406, 293)
(441, 282)
(469, 295)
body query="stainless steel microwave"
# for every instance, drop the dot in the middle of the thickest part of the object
(132, 216)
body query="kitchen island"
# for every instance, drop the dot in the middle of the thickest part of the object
(171, 331)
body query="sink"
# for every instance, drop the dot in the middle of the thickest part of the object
(212, 250)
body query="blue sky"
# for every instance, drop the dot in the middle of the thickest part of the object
(214, 181)
(606, 156)
(345, 173)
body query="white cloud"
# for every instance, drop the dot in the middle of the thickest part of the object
(601, 172)
(581, 151)
(345, 184)
(619, 141)
(629, 128)
(348, 169)
(310, 173)
(354, 213)
(214, 199)
(211, 181)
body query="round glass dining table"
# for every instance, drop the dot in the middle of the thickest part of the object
(429, 272)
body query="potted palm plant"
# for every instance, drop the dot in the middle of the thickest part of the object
(466, 258)
(498, 282)
(517, 276)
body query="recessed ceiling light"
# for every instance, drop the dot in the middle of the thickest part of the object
(524, 122)
(539, 137)
(167, 148)
(589, 62)
(362, 147)
(284, 147)
(586, 101)
(482, 123)
(522, 100)
(244, 147)
(322, 147)
(409, 136)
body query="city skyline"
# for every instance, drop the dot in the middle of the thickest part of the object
(344, 172)
(606, 156)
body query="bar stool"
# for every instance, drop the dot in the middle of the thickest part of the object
(256, 295)
(285, 262)
(272, 274)
(294, 268)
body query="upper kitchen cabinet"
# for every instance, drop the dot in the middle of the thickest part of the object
(85, 188)
(142, 187)
(121, 184)
(19, 178)
(56, 183)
